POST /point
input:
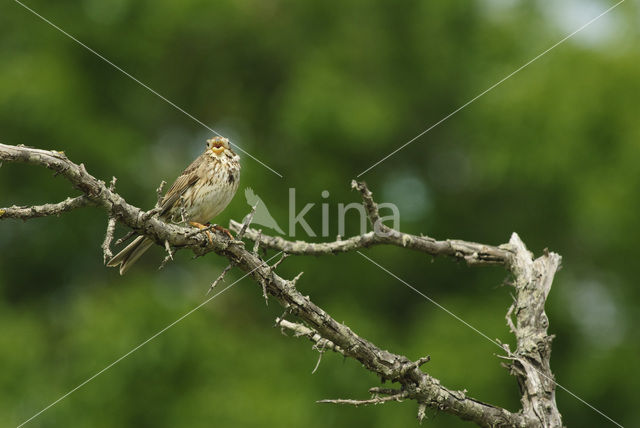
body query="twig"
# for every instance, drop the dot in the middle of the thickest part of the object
(376, 400)
(272, 268)
(277, 263)
(125, 237)
(160, 193)
(151, 213)
(247, 222)
(111, 227)
(108, 237)
(256, 244)
(301, 330)
(29, 212)
(512, 327)
(169, 256)
(422, 412)
(320, 352)
(157, 209)
(369, 204)
(219, 278)
(286, 312)
(295, 279)
(167, 247)
(416, 364)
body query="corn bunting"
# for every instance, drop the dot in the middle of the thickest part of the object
(202, 191)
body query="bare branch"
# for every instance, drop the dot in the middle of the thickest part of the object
(108, 237)
(111, 227)
(471, 252)
(219, 278)
(312, 335)
(125, 237)
(282, 258)
(168, 257)
(531, 365)
(532, 281)
(296, 278)
(247, 221)
(422, 412)
(159, 193)
(98, 194)
(367, 198)
(28, 212)
(376, 400)
(256, 244)
(320, 353)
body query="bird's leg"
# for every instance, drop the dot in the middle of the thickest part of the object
(201, 227)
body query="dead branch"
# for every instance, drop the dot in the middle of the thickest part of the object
(532, 282)
(46, 210)
(472, 253)
(219, 278)
(533, 279)
(375, 400)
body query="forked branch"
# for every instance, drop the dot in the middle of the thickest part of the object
(532, 281)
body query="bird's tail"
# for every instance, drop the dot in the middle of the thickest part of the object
(130, 254)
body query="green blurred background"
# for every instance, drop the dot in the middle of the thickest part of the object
(320, 91)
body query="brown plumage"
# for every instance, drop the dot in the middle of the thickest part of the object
(202, 191)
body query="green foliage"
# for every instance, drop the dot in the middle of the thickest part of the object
(319, 91)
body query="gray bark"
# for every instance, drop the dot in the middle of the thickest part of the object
(532, 281)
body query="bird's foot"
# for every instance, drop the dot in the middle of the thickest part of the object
(223, 230)
(202, 227)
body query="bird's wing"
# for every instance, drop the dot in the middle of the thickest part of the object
(182, 183)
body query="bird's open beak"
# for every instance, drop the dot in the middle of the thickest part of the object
(217, 150)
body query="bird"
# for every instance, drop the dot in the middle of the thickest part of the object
(262, 216)
(201, 192)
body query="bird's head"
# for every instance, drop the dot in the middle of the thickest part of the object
(218, 146)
